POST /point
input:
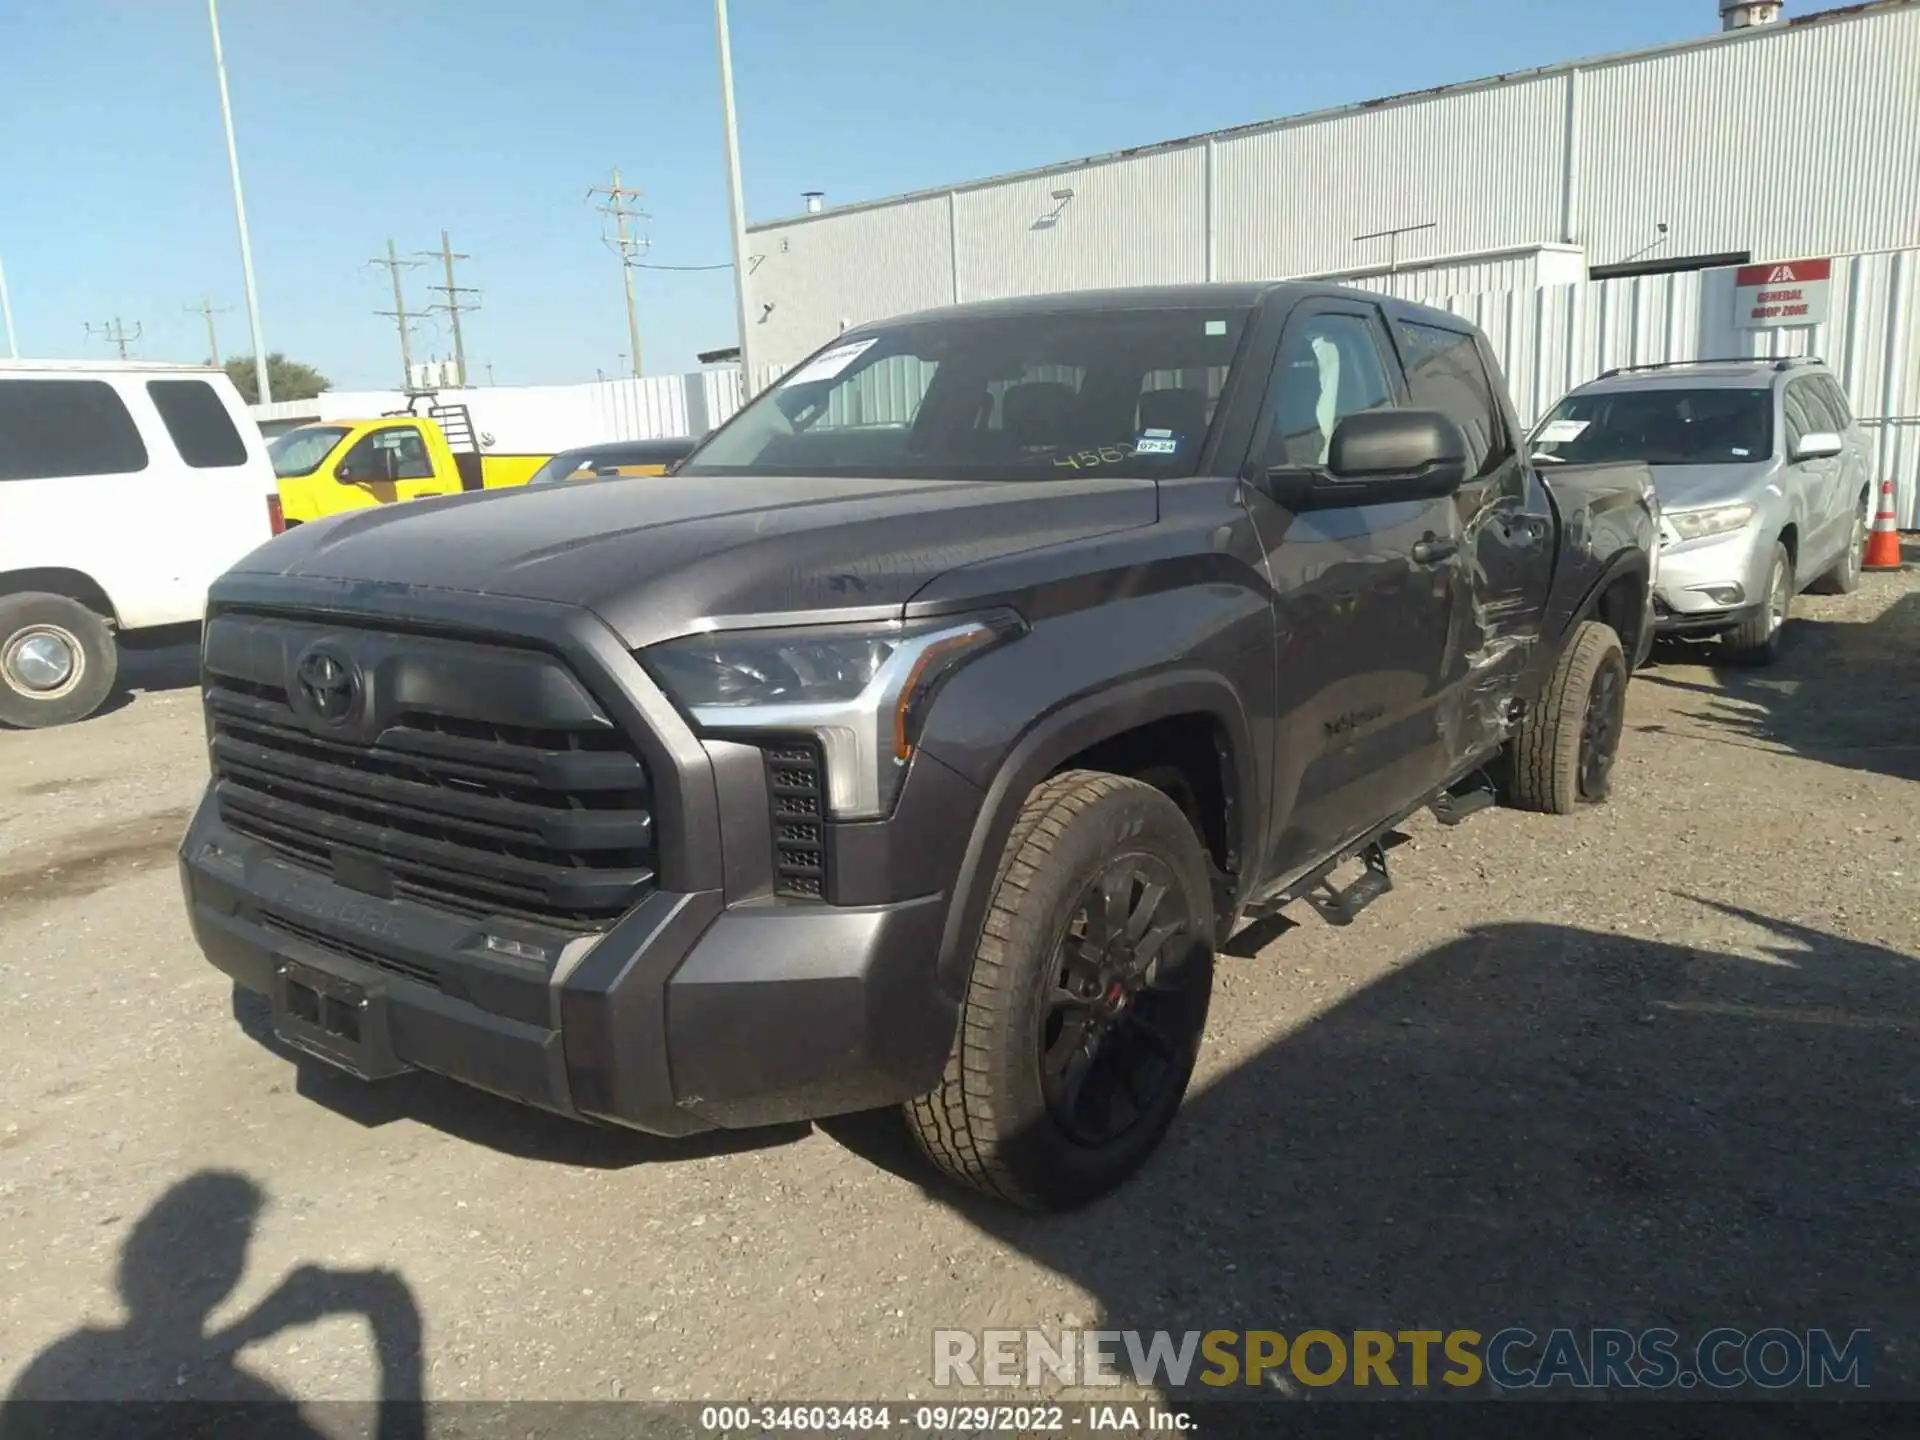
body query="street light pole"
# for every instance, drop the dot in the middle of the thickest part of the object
(240, 214)
(6, 312)
(736, 205)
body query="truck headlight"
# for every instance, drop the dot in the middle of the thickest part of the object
(862, 690)
(1713, 520)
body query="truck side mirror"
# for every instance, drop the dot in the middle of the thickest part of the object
(1378, 457)
(368, 466)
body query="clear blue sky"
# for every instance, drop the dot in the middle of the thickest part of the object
(363, 118)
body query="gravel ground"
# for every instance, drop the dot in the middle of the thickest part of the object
(1652, 1064)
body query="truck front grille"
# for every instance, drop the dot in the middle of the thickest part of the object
(434, 802)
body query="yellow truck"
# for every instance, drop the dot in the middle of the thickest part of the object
(341, 465)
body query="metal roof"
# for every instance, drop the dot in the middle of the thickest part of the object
(1236, 294)
(1750, 34)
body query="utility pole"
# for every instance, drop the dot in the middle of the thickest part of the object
(395, 265)
(115, 333)
(629, 247)
(6, 314)
(736, 203)
(452, 305)
(240, 212)
(206, 311)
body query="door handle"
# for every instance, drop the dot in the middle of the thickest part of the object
(1433, 549)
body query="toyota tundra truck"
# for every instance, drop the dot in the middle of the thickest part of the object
(920, 741)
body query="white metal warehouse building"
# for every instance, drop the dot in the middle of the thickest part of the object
(1586, 214)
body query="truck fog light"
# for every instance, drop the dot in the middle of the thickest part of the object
(1724, 596)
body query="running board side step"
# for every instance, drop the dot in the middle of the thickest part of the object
(1467, 796)
(1340, 906)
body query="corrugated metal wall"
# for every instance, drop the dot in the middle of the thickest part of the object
(1784, 141)
(1482, 166)
(1131, 222)
(1564, 335)
(852, 266)
(1806, 141)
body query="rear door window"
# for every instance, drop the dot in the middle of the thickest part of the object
(1445, 373)
(56, 429)
(202, 430)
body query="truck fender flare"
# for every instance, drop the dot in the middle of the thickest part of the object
(1626, 561)
(1063, 732)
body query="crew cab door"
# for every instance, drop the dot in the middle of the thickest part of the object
(394, 462)
(1363, 598)
(1506, 525)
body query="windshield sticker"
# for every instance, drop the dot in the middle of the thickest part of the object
(1743, 454)
(1216, 327)
(830, 363)
(1156, 442)
(1561, 431)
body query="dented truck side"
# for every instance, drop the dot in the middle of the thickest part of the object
(919, 756)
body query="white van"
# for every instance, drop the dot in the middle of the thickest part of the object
(125, 490)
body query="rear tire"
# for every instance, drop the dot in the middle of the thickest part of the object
(1563, 755)
(1755, 642)
(1088, 998)
(58, 661)
(1844, 577)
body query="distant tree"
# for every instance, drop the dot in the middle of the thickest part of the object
(290, 379)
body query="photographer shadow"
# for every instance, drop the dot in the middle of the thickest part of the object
(184, 1257)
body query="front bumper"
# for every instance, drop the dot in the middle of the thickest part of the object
(683, 1017)
(711, 1003)
(1711, 584)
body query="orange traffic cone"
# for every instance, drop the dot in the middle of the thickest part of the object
(1883, 545)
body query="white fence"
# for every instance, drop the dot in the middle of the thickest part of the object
(1554, 337)
(1551, 339)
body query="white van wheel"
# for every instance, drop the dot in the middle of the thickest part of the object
(57, 661)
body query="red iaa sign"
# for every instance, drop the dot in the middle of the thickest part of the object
(1785, 292)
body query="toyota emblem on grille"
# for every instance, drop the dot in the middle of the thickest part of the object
(329, 682)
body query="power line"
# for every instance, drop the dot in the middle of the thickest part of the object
(115, 333)
(401, 320)
(628, 247)
(728, 265)
(206, 311)
(452, 305)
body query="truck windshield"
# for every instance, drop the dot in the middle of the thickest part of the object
(1660, 426)
(299, 452)
(1029, 396)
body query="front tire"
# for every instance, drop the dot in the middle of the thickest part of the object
(1563, 756)
(1088, 998)
(58, 661)
(1755, 641)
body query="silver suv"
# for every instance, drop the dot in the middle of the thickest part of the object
(1763, 478)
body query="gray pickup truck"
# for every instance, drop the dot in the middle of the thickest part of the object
(923, 737)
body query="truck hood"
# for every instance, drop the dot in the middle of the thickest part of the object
(1685, 487)
(658, 557)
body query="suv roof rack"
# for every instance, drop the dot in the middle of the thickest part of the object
(1786, 362)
